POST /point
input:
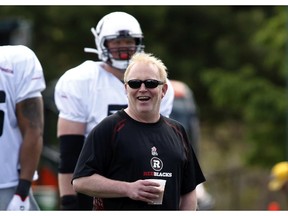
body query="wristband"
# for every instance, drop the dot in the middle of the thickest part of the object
(23, 188)
(70, 148)
(69, 202)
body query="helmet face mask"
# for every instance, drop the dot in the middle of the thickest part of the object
(121, 53)
(119, 57)
(117, 26)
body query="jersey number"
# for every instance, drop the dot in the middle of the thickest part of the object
(2, 100)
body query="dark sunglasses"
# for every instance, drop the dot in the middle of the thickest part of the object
(149, 83)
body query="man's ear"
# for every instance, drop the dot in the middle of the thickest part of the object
(164, 89)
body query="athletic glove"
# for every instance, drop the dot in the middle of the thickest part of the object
(20, 200)
(17, 204)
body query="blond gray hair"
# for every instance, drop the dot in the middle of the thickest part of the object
(149, 59)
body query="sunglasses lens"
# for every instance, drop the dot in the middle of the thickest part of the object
(151, 83)
(134, 84)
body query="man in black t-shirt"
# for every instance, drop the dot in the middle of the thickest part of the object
(136, 144)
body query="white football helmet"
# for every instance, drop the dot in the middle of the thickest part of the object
(112, 26)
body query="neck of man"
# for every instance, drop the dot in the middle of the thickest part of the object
(116, 72)
(143, 117)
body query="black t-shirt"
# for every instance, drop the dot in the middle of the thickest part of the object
(121, 148)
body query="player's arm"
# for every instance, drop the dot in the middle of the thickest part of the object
(188, 201)
(30, 120)
(71, 137)
(100, 186)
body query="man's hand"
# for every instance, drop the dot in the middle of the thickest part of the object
(143, 190)
(17, 204)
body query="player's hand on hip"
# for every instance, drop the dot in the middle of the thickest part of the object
(17, 204)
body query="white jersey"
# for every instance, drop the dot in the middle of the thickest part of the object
(88, 93)
(21, 77)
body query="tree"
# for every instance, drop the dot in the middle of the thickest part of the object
(253, 89)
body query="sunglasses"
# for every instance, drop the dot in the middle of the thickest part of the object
(149, 83)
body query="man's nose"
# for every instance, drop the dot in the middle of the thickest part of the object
(143, 87)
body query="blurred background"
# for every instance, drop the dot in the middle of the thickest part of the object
(232, 59)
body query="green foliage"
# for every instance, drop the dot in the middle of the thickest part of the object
(255, 93)
(257, 103)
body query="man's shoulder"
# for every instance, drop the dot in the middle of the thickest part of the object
(16, 49)
(109, 123)
(117, 116)
(17, 53)
(85, 67)
(86, 70)
(172, 121)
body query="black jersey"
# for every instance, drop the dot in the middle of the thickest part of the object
(121, 148)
